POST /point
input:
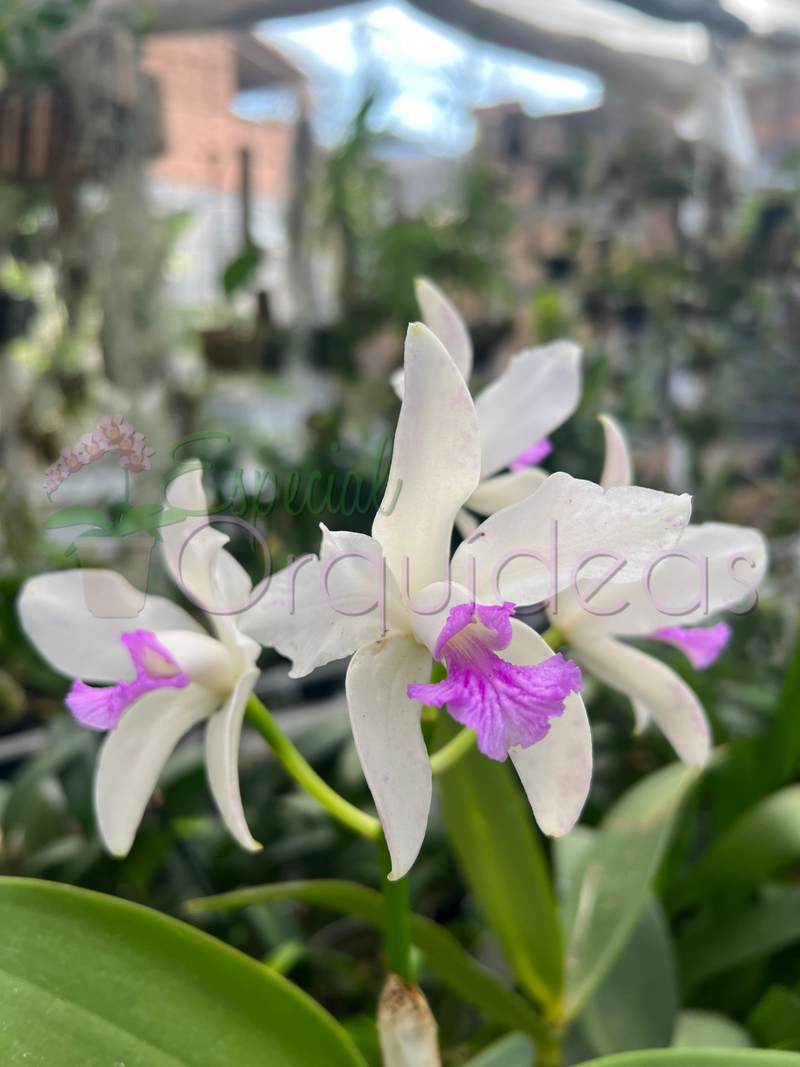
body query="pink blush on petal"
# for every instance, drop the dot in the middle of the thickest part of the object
(532, 456)
(702, 645)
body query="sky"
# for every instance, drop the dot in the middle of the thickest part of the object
(427, 76)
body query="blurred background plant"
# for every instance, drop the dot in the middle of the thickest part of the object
(213, 230)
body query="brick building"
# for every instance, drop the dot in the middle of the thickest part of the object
(230, 172)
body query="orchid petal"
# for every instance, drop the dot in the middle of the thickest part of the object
(435, 463)
(192, 557)
(442, 318)
(223, 734)
(57, 621)
(310, 627)
(634, 522)
(133, 755)
(388, 738)
(617, 468)
(675, 582)
(669, 700)
(204, 659)
(500, 492)
(465, 523)
(539, 389)
(557, 771)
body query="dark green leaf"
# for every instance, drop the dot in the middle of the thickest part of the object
(775, 1020)
(491, 828)
(67, 742)
(772, 924)
(768, 835)
(454, 965)
(90, 979)
(240, 270)
(636, 1004)
(619, 875)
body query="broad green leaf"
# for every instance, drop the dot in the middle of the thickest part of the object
(700, 1057)
(87, 979)
(770, 925)
(77, 515)
(708, 1029)
(514, 1050)
(454, 965)
(768, 835)
(616, 885)
(491, 828)
(636, 1004)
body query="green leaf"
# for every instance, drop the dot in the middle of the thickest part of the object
(77, 515)
(514, 1050)
(775, 1020)
(636, 1004)
(140, 517)
(615, 888)
(491, 828)
(700, 1057)
(91, 979)
(708, 1029)
(240, 270)
(768, 835)
(772, 924)
(454, 965)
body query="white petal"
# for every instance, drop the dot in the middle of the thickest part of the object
(637, 523)
(296, 617)
(194, 559)
(539, 389)
(557, 771)
(675, 582)
(223, 733)
(436, 458)
(500, 492)
(132, 756)
(466, 523)
(670, 701)
(204, 659)
(443, 319)
(388, 738)
(54, 615)
(617, 468)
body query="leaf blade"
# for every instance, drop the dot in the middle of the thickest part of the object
(104, 968)
(498, 849)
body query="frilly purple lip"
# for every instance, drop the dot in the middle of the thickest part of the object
(506, 705)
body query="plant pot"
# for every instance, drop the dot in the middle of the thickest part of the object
(105, 596)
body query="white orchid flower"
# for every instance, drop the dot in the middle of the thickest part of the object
(168, 673)
(726, 561)
(389, 601)
(537, 392)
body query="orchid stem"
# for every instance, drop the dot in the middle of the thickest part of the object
(453, 751)
(305, 775)
(398, 917)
